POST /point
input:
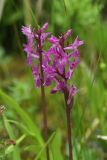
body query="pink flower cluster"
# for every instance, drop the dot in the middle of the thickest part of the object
(59, 61)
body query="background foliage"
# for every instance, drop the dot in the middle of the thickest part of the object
(22, 119)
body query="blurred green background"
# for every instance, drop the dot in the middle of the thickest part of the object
(22, 119)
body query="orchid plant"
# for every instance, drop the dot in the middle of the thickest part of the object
(60, 69)
(35, 52)
(57, 64)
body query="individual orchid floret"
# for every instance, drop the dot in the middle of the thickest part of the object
(74, 45)
(72, 92)
(67, 34)
(44, 27)
(27, 32)
(55, 40)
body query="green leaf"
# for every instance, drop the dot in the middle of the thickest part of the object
(34, 18)
(45, 145)
(56, 146)
(22, 127)
(24, 117)
(16, 150)
(11, 147)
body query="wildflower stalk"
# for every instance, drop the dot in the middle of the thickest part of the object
(44, 108)
(69, 126)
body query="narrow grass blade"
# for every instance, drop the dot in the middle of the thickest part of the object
(56, 146)
(8, 101)
(2, 3)
(11, 147)
(16, 151)
(45, 145)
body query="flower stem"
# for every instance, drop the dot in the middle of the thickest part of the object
(44, 108)
(45, 126)
(69, 127)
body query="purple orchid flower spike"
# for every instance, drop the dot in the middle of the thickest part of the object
(63, 63)
(35, 43)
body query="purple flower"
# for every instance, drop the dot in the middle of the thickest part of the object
(34, 49)
(58, 63)
(67, 34)
(72, 91)
(36, 75)
(27, 32)
(74, 45)
(44, 27)
(59, 87)
(63, 63)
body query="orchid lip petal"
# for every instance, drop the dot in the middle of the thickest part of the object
(53, 39)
